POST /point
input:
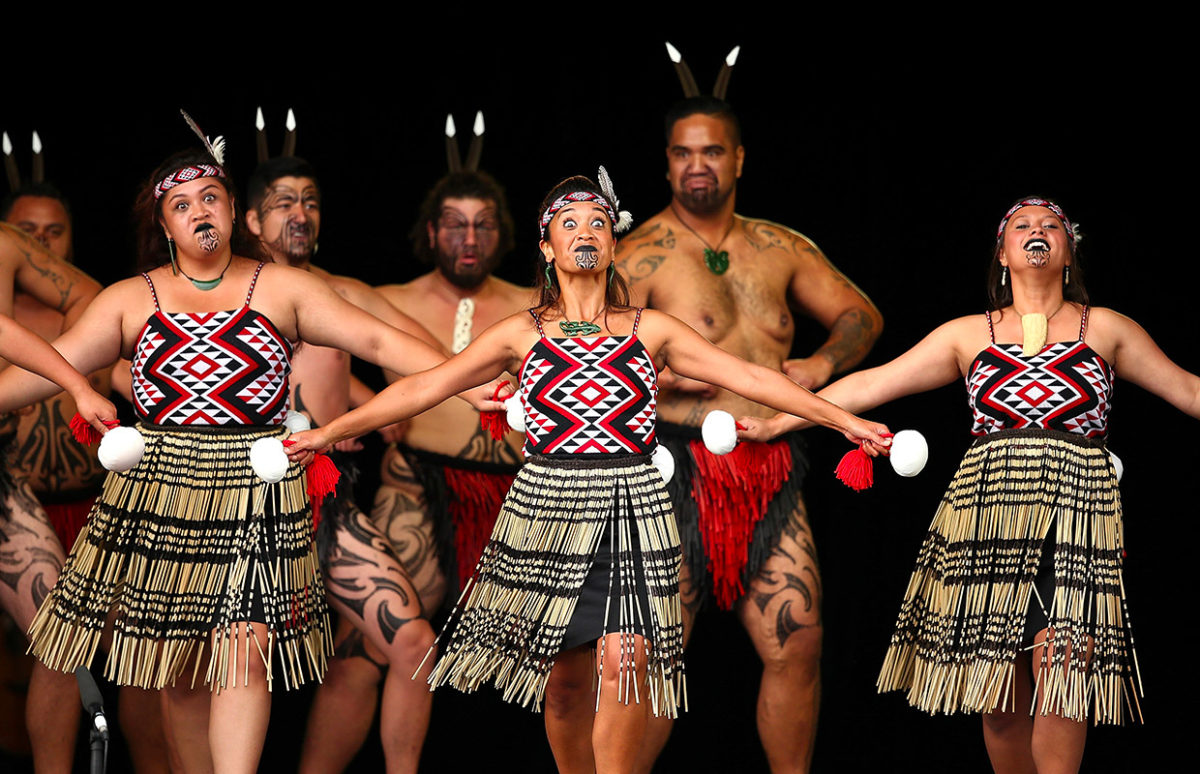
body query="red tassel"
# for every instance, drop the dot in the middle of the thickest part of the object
(495, 422)
(86, 434)
(322, 476)
(856, 470)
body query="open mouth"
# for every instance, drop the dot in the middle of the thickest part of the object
(203, 227)
(1037, 245)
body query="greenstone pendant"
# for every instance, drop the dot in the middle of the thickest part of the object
(578, 328)
(207, 284)
(717, 263)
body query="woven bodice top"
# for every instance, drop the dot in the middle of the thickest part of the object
(1066, 387)
(211, 368)
(589, 395)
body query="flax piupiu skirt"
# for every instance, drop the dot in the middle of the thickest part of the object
(1017, 494)
(536, 575)
(182, 547)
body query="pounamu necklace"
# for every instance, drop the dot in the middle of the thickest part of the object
(208, 284)
(580, 327)
(717, 261)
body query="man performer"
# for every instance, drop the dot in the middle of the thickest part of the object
(442, 488)
(31, 555)
(365, 581)
(736, 279)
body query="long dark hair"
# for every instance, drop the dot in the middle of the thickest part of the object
(616, 292)
(1000, 295)
(152, 243)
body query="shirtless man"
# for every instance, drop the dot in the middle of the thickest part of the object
(737, 280)
(441, 491)
(363, 577)
(31, 556)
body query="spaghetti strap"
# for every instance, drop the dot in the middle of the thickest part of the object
(1083, 322)
(253, 282)
(538, 322)
(153, 293)
(991, 329)
(637, 318)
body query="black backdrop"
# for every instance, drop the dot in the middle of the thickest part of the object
(897, 158)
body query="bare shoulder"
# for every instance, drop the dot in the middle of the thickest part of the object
(349, 288)
(767, 235)
(518, 295)
(1103, 320)
(648, 235)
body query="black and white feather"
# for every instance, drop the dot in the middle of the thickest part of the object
(215, 148)
(624, 217)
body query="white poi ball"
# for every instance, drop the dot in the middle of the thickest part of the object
(296, 422)
(1118, 466)
(121, 449)
(515, 413)
(269, 460)
(909, 453)
(664, 461)
(719, 432)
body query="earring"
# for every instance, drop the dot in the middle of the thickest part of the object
(1003, 276)
(171, 252)
(1067, 274)
(612, 272)
(549, 274)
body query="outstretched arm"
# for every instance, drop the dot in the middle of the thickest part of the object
(691, 355)
(825, 294)
(932, 363)
(1137, 358)
(485, 359)
(371, 300)
(26, 349)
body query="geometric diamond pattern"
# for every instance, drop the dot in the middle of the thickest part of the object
(589, 396)
(1066, 387)
(211, 368)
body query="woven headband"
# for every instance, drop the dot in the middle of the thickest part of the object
(574, 198)
(186, 175)
(1072, 233)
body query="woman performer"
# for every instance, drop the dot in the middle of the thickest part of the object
(585, 553)
(210, 570)
(1018, 583)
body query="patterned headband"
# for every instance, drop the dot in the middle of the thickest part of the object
(1072, 230)
(608, 200)
(186, 175)
(574, 198)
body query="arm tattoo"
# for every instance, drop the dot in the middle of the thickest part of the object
(850, 339)
(762, 236)
(36, 257)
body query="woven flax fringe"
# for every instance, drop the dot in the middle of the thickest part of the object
(731, 508)
(184, 546)
(963, 616)
(516, 607)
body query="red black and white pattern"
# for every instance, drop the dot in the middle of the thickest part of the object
(186, 175)
(1066, 387)
(211, 368)
(589, 396)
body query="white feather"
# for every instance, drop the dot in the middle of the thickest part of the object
(7, 145)
(290, 123)
(731, 58)
(478, 123)
(449, 125)
(37, 142)
(624, 222)
(673, 52)
(217, 149)
(259, 123)
(1077, 233)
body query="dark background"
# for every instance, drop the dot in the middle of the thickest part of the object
(897, 155)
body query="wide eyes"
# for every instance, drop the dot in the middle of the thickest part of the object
(598, 223)
(568, 222)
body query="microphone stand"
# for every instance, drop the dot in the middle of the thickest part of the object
(93, 705)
